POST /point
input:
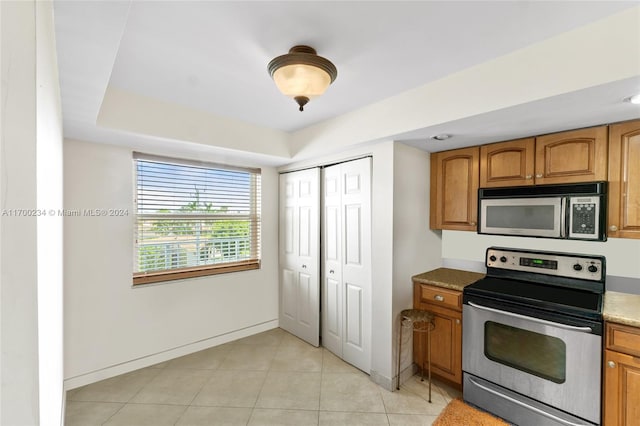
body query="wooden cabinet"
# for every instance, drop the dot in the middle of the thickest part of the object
(574, 156)
(507, 163)
(624, 180)
(621, 376)
(566, 157)
(454, 189)
(446, 337)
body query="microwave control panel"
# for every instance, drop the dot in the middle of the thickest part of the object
(584, 217)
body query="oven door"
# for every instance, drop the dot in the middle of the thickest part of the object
(529, 217)
(556, 364)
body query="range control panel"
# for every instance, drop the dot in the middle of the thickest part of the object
(584, 267)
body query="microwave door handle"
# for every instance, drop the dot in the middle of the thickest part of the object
(532, 319)
(525, 405)
(563, 217)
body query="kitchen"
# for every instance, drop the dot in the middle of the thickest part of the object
(98, 174)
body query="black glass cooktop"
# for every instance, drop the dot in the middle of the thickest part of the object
(544, 296)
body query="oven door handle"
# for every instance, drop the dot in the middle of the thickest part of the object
(525, 405)
(538, 320)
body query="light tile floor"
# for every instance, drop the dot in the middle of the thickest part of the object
(271, 378)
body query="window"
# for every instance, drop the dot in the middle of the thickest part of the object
(194, 219)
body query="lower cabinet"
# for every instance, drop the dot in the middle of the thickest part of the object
(621, 376)
(446, 337)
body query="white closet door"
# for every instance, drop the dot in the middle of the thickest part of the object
(347, 262)
(332, 256)
(299, 254)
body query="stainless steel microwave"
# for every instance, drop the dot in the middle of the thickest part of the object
(568, 211)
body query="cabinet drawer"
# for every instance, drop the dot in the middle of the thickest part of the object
(440, 297)
(623, 338)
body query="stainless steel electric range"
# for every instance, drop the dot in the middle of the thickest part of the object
(532, 337)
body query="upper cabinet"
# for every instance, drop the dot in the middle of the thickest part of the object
(624, 180)
(567, 157)
(454, 189)
(507, 163)
(574, 156)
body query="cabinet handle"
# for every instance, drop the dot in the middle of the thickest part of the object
(611, 364)
(528, 177)
(304, 266)
(472, 223)
(613, 228)
(457, 321)
(538, 175)
(331, 271)
(438, 298)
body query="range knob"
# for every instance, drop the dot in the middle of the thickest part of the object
(592, 268)
(492, 258)
(577, 267)
(503, 259)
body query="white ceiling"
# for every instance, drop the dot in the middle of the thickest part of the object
(212, 56)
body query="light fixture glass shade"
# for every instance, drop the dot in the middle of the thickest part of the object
(301, 74)
(301, 80)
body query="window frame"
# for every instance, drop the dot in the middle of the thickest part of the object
(254, 216)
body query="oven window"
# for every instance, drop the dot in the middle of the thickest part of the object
(538, 354)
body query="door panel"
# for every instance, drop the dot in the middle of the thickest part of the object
(352, 230)
(332, 315)
(289, 302)
(354, 316)
(299, 254)
(306, 231)
(306, 299)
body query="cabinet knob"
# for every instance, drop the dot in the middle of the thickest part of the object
(304, 266)
(611, 364)
(528, 177)
(538, 175)
(457, 321)
(613, 228)
(472, 223)
(438, 298)
(331, 271)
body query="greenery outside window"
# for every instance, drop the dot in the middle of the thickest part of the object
(194, 219)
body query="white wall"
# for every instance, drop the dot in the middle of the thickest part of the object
(111, 327)
(31, 246)
(49, 227)
(18, 263)
(416, 248)
(623, 255)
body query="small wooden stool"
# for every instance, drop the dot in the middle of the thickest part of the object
(420, 321)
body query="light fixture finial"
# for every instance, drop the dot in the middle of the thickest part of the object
(301, 74)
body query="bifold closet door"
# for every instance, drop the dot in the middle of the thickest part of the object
(346, 269)
(299, 246)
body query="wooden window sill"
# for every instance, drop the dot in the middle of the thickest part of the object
(140, 278)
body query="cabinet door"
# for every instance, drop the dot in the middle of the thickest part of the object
(446, 345)
(575, 156)
(454, 189)
(507, 163)
(621, 389)
(624, 180)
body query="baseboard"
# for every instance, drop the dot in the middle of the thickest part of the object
(152, 359)
(383, 381)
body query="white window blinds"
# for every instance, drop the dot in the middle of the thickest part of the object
(194, 219)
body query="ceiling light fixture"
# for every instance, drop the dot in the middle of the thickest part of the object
(301, 74)
(635, 99)
(441, 137)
